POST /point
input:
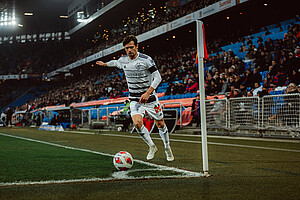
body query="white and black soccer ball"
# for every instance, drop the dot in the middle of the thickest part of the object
(123, 160)
(119, 129)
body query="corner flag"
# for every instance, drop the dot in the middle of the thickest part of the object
(201, 54)
(201, 45)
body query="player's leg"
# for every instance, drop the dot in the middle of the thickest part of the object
(137, 119)
(141, 129)
(164, 134)
(155, 111)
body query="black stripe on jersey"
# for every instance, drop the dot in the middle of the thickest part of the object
(138, 88)
(151, 99)
(144, 56)
(137, 76)
(137, 94)
(153, 69)
(137, 82)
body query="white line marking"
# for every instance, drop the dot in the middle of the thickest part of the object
(217, 136)
(124, 174)
(82, 132)
(186, 173)
(242, 138)
(213, 143)
(96, 179)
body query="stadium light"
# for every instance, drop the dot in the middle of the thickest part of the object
(20, 25)
(28, 14)
(7, 18)
(265, 4)
(64, 16)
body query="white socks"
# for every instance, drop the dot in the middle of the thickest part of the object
(164, 134)
(145, 135)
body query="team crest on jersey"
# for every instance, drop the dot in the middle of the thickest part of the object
(138, 66)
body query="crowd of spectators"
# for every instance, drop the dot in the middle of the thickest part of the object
(42, 57)
(278, 59)
(227, 74)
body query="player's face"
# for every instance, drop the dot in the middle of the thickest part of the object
(131, 50)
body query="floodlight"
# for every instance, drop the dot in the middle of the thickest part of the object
(28, 14)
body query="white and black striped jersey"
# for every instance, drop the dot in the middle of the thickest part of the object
(140, 73)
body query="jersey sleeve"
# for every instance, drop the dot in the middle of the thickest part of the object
(114, 63)
(151, 65)
(155, 73)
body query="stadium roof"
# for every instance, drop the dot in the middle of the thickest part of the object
(45, 15)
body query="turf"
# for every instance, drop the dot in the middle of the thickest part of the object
(34, 160)
(237, 172)
(31, 161)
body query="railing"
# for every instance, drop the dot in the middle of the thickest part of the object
(274, 112)
(95, 114)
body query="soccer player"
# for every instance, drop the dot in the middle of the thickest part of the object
(142, 78)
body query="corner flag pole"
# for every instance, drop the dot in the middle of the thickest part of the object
(201, 54)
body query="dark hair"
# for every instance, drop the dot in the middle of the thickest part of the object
(128, 39)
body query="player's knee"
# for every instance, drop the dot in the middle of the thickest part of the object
(160, 123)
(138, 124)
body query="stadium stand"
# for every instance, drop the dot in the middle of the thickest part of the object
(177, 80)
(239, 67)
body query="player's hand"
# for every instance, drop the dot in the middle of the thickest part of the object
(100, 63)
(144, 98)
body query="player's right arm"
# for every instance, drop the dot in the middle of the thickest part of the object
(112, 63)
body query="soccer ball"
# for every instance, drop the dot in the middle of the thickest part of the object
(119, 129)
(123, 160)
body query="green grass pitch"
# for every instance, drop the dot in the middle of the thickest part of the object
(240, 168)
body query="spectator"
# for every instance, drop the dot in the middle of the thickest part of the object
(248, 78)
(9, 114)
(231, 82)
(224, 87)
(268, 82)
(264, 92)
(257, 88)
(256, 77)
(3, 116)
(243, 90)
(235, 93)
(290, 64)
(273, 68)
(297, 52)
(279, 78)
(196, 110)
(269, 45)
(295, 77)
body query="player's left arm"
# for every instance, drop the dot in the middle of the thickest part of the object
(155, 83)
